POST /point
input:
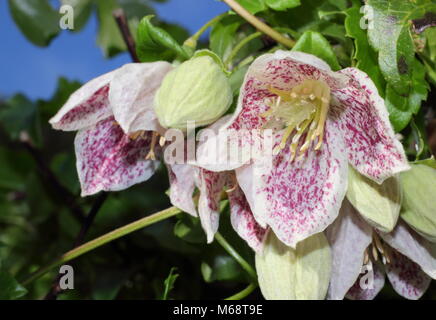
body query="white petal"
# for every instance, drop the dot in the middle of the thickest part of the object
(86, 106)
(132, 94)
(349, 236)
(413, 246)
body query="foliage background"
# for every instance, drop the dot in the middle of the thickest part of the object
(41, 211)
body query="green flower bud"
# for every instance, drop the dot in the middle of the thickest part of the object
(419, 204)
(379, 204)
(197, 90)
(294, 274)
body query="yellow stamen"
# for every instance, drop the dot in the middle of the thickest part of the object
(151, 155)
(303, 110)
(135, 135)
(162, 141)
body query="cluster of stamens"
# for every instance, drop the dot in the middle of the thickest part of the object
(375, 250)
(303, 111)
(141, 134)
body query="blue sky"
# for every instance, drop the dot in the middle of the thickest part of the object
(34, 71)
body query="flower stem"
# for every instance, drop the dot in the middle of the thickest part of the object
(259, 24)
(244, 293)
(231, 251)
(240, 45)
(192, 41)
(108, 237)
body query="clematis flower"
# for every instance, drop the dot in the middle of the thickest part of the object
(321, 122)
(408, 260)
(116, 126)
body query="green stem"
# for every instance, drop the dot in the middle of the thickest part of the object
(231, 251)
(244, 293)
(192, 41)
(259, 25)
(108, 237)
(240, 45)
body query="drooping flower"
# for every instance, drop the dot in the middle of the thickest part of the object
(322, 121)
(362, 255)
(116, 126)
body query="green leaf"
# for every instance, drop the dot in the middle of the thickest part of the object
(314, 43)
(401, 109)
(135, 10)
(365, 57)
(10, 288)
(220, 268)
(82, 12)
(237, 78)
(390, 35)
(36, 19)
(281, 5)
(14, 168)
(155, 44)
(222, 36)
(430, 35)
(169, 283)
(253, 6)
(109, 37)
(189, 229)
(19, 115)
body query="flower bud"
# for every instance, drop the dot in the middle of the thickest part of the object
(303, 273)
(379, 204)
(197, 90)
(419, 204)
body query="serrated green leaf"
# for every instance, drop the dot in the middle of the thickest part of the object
(365, 57)
(10, 288)
(155, 44)
(314, 43)
(169, 283)
(401, 109)
(390, 35)
(37, 20)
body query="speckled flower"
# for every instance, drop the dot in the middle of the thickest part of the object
(408, 260)
(322, 121)
(116, 126)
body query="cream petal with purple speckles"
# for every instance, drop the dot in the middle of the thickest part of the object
(413, 246)
(86, 106)
(406, 277)
(182, 184)
(349, 236)
(243, 221)
(302, 198)
(371, 144)
(132, 93)
(362, 289)
(107, 159)
(211, 186)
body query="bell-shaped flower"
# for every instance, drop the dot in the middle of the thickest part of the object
(116, 126)
(319, 121)
(362, 255)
